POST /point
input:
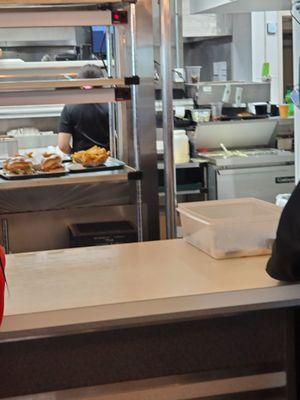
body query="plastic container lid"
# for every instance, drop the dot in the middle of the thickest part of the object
(179, 132)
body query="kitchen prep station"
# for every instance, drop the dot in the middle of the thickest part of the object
(32, 98)
(199, 139)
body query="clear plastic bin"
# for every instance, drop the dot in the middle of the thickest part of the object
(193, 74)
(230, 228)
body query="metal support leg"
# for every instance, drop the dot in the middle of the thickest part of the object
(5, 235)
(111, 106)
(168, 123)
(177, 34)
(136, 142)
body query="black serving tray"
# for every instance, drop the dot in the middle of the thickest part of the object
(36, 175)
(110, 165)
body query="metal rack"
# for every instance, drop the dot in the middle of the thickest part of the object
(62, 13)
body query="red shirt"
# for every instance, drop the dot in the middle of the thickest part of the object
(2, 282)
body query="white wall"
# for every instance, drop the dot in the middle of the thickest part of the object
(204, 25)
(268, 48)
(241, 48)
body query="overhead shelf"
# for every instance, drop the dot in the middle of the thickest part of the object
(77, 91)
(65, 96)
(59, 17)
(123, 175)
(65, 84)
(37, 69)
(12, 3)
(40, 19)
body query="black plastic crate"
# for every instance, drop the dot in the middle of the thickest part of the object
(102, 233)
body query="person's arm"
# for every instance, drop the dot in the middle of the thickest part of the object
(65, 131)
(284, 264)
(64, 142)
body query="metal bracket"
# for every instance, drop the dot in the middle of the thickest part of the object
(132, 80)
(122, 94)
(135, 176)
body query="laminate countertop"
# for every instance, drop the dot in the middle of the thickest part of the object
(119, 285)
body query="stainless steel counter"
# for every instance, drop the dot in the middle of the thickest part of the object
(123, 284)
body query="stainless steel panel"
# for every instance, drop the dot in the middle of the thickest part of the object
(168, 121)
(146, 122)
(249, 158)
(262, 183)
(211, 92)
(238, 6)
(49, 229)
(113, 176)
(11, 37)
(235, 134)
(54, 19)
(73, 96)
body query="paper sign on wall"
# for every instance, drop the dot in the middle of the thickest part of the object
(220, 71)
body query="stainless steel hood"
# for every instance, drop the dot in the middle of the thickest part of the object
(238, 6)
(23, 37)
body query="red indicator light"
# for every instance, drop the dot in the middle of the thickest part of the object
(119, 17)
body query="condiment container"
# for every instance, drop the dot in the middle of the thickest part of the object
(230, 228)
(8, 146)
(193, 74)
(201, 115)
(181, 147)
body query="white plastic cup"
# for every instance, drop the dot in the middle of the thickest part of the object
(282, 199)
(216, 110)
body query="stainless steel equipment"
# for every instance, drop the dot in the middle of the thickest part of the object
(247, 170)
(168, 123)
(211, 92)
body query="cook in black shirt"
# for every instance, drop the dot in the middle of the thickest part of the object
(85, 125)
(284, 264)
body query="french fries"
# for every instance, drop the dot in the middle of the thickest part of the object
(92, 157)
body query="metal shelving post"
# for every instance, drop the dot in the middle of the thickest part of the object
(168, 123)
(136, 142)
(111, 106)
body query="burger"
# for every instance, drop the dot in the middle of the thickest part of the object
(19, 165)
(51, 162)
